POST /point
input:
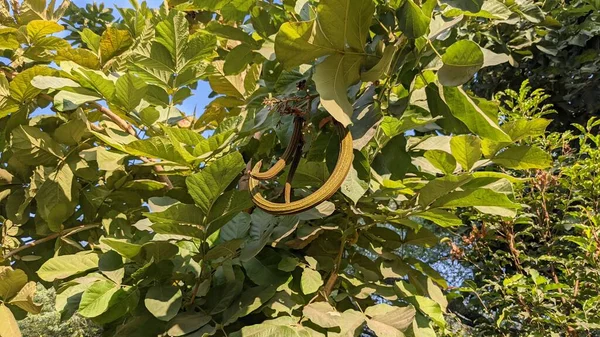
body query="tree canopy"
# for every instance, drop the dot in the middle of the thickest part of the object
(138, 212)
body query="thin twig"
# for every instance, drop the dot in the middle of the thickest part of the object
(64, 233)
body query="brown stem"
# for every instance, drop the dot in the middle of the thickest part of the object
(64, 233)
(336, 268)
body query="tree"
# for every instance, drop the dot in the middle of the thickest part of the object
(536, 274)
(556, 49)
(138, 213)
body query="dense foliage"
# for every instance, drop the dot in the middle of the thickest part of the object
(537, 274)
(138, 213)
(557, 51)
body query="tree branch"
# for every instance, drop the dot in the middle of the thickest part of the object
(65, 233)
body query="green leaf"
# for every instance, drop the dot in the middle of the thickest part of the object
(399, 318)
(440, 217)
(122, 246)
(37, 29)
(58, 197)
(299, 42)
(64, 266)
(173, 34)
(311, 281)
(91, 39)
(237, 59)
(228, 205)
(160, 147)
(215, 142)
(431, 309)
(111, 265)
(479, 197)
(382, 67)
(442, 160)
(9, 326)
(322, 314)
(163, 301)
(353, 187)
(207, 185)
(466, 110)
(466, 149)
(183, 214)
(523, 158)
(530, 11)
(230, 32)
(112, 43)
(280, 327)
(472, 6)
(11, 281)
(332, 78)
(383, 329)
(34, 147)
(72, 99)
(186, 136)
(187, 322)
(411, 20)
(21, 89)
(523, 128)
(82, 57)
(461, 61)
(129, 91)
(52, 82)
(441, 186)
(96, 299)
(423, 237)
(345, 22)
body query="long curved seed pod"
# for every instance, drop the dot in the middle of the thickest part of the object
(288, 180)
(289, 151)
(325, 192)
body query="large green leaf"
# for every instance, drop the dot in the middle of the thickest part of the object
(96, 299)
(228, 205)
(129, 91)
(411, 20)
(311, 281)
(160, 147)
(207, 185)
(113, 42)
(163, 301)
(332, 78)
(21, 89)
(523, 157)
(441, 186)
(466, 149)
(64, 266)
(479, 197)
(58, 197)
(322, 314)
(34, 147)
(442, 160)
(461, 61)
(466, 110)
(472, 6)
(122, 246)
(300, 42)
(11, 281)
(345, 22)
(187, 322)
